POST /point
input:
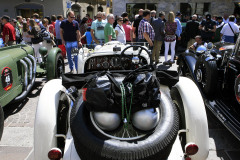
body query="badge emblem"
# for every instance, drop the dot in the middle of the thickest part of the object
(7, 78)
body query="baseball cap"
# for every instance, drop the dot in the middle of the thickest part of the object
(208, 16)
(178, 13)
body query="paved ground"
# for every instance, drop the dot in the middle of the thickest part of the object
(17, 140)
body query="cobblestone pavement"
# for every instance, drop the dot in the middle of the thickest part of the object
(17, 140)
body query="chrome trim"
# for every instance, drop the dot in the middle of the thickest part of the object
(27, 87)
(30, 67)
(25, 73)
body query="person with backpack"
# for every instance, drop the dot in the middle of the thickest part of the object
(229, 30)
(17, 30)
(36, 38)
(47, 36)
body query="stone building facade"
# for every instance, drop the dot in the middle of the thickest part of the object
(187, 7)
(44, 8)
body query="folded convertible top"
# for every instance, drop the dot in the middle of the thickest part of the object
(166, 77)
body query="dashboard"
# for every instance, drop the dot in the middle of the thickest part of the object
(111, 62)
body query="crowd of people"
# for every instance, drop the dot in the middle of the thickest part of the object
(162, 34)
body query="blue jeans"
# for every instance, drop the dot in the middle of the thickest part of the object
(229, 39)
(69, 45)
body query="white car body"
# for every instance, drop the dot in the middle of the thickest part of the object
(107, 49)
(45, 136)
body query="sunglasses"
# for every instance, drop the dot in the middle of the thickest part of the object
(120, 20)
(72, 17)
(99, 17)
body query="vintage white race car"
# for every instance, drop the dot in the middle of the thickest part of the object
(115, 109)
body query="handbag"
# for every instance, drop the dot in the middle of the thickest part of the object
(235, 34)
(63, 49)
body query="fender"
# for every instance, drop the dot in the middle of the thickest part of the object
(191, 61)
(51, 63)
(45, 119)
(1, 121)
(209, 58)
(195, 116)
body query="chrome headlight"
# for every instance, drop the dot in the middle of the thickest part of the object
(107, 121)
(146, 119)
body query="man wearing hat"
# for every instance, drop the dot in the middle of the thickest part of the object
(153, 16)
(179, 29)
(208, 28)
(9, 33)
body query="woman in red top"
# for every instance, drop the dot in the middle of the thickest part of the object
(52, 25)
(89, 21)
(170, 38)
(128, 30)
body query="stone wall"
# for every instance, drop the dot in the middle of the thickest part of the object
(218, 7)
(49, 7)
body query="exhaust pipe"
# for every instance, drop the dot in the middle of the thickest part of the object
(30, 67)
(32, 76)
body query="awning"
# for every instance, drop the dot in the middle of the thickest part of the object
(92, 2)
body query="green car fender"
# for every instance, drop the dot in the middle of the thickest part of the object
(52, 63)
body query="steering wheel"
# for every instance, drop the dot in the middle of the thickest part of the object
(123, 54)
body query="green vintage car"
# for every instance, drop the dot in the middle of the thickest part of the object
(19, 68)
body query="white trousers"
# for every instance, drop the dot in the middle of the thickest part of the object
(49, 46)
(173, 44)
(36, 50)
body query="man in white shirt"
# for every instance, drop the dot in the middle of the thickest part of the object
(229, 29)
(226, 19)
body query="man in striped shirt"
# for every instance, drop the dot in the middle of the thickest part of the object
(145, 30)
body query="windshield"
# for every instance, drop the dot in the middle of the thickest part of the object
(236, 50)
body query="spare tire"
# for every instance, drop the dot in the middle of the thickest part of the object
(60, 66)
(92, 144)
(1, 122)
(206, 75)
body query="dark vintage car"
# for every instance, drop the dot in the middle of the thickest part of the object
(216, 71)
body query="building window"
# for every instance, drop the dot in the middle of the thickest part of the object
(100, 9)
(90, 11)
(76, 9)
(188, 9)
(132, 8)
(28, 9)
(236, 11)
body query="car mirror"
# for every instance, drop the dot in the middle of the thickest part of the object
(209, 45)
(75, 51)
